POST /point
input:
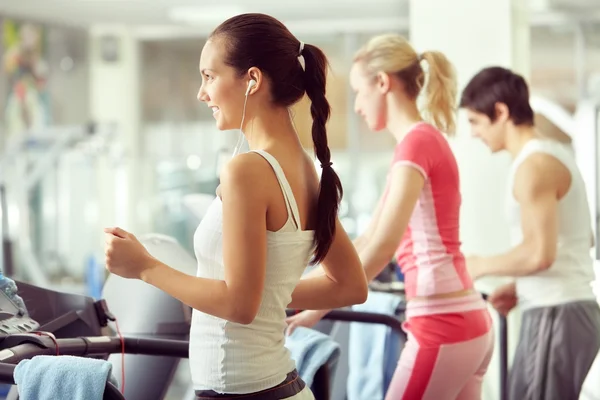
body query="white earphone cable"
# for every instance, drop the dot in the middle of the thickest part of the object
(241, 135)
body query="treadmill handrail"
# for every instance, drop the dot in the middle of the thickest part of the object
(362, 317)
(366, 317)
(93, 346)
(86, 346)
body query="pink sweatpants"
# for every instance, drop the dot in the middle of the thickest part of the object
(445, 357)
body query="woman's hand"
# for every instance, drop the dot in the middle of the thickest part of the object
(125, 255)
(307, 319)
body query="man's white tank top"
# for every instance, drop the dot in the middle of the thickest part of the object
(232, 358)
(570, 276)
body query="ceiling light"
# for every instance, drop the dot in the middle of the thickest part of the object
(203, 15)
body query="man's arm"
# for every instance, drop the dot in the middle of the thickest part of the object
(537, 186)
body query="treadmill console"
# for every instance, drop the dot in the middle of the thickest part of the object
(14, 319)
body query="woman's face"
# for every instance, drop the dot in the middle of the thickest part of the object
(223, 89)
(370, 101)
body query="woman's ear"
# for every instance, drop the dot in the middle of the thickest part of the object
(383, 82)
(256, 75)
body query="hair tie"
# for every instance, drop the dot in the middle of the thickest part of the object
(328, 164)
(301, 57)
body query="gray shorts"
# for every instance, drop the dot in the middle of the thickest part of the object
(557, 346)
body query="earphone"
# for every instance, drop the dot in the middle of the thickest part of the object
(251, 84)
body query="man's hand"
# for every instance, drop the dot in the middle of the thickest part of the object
(504, 298)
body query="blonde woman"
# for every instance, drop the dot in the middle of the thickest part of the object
(450, 337)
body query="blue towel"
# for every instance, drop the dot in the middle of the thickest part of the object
(310, 350)
(62, 377)
(373, 350)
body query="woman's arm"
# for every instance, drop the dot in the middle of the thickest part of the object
(338, 282)
(405, 188)
(236, 298)
(406, 184)
(361, 241)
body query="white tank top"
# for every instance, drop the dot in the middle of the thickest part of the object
(569, 278)
(232, 358)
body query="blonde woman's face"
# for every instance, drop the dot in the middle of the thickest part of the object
(370, 101)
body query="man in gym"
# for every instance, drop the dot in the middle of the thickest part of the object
(550, 259)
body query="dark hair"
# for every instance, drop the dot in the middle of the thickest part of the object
(499, 85)
(261, 41)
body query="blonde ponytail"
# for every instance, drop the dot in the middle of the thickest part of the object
(440, 92)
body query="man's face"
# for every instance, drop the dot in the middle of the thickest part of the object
(490, 133)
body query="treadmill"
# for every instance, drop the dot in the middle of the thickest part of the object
(146, 313)
(19, 340)
(77, 322)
